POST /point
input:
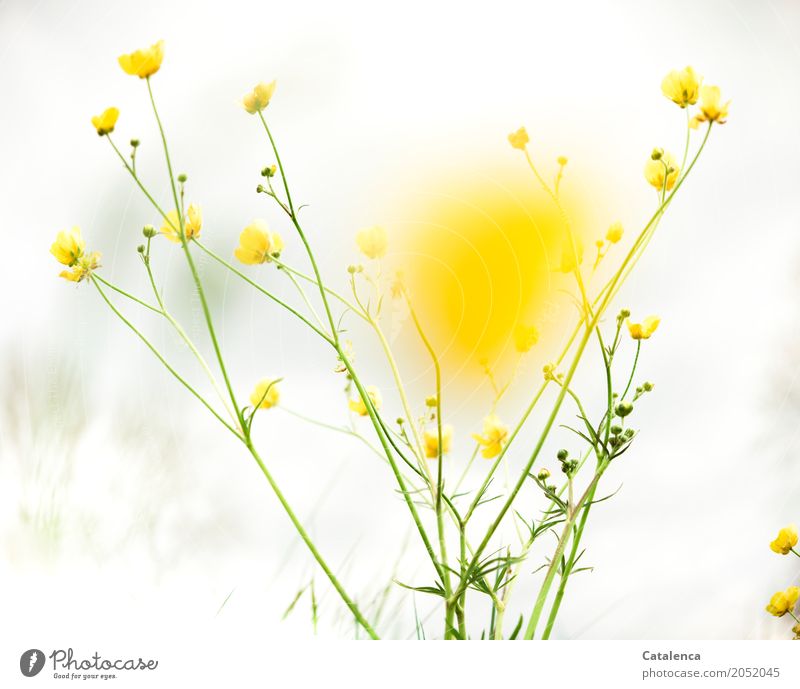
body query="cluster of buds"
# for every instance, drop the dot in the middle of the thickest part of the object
(354, 269)
(619, 436)
(568, 466)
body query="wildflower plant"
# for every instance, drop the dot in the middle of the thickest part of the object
(466, 560)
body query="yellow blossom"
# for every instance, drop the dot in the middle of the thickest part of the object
(258, 98)
(431, 441)
(69, 246)
(373, 241)
(525, 336)
(192, 224)
(257, 244)
(519, 139)
(682, 86)
(655, 170)
(82, 268)
(783, 601)
(615, 232)
(786, 540)
(643, 330)
(493, 437)
(266, 394)
(357, 405)
(711, 107)
(143, 63)
(104, 123)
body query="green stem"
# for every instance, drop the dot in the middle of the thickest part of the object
(633, 370)
(158, 355)
(576, 540)
(530, 630)
(263, 291)
(126, 294)
(307, 540)
(190, 261)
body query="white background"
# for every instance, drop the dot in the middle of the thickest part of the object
(123, 507)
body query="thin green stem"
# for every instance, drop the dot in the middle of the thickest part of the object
(190, 261)
(310, 544)
(263, 291)
(160, 357)
(633, 369)
(126, 294)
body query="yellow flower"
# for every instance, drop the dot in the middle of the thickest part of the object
(655, 170)
(104, 123)
(786, 540)
(643, 330)
(568, 255)
(519, 139)
(257, 244)
(82, 268)
(258, 98)
(192, 224)
(357, 405)
(69, 246)
(266, 394)
(682, 87)
(372, 241)
(711, 109)
(783, 601)
(143, 63)
(431, 441)
(493, 437)
(615, 232)
(525, 336)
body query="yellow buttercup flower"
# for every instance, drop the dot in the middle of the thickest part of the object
(104, 123)
(783, 601)
(431, 441)
(711, 107)
(643, 330)
(786, 540)
(257, 244)
(493, 437)
(192, 224)
(615, 232)
(143, 63)
(357, 405)
(525, 336)
(69, 246)
(373, 241)
(656, 170)
(83, 267)
(266, 394)
(258, 98)
(519, 139)
(682, 86)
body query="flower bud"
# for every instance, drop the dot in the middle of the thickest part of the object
(260, 189)
(430, 401)
(561, 160)
(562, 455)
(399, 421)
(657, 154)
(625, 313)
(140, 248)
(623, 409)
(629, 433)
(182, 178)
(134, 143)
(648, 386)
(351, 269)
(543, 475)
(149, 231)
(616, 430)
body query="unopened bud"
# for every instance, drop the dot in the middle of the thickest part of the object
(623, 409)
(182, 178)
(134, 143)
(657, 153)
(149, 231)
(543, 475)
(140, 248)
(562, 455)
